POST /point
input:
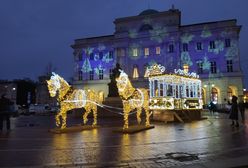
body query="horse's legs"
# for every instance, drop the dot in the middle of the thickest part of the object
(126, 112)
(85, 116)
(57, 118)
(63, 115)
(95, 115)
(139, 110)
(147, 117)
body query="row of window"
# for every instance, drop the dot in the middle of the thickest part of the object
(213, 67)
(121, 51)
(91, 75)
(199, 46)
(135, 74)
(99, 55)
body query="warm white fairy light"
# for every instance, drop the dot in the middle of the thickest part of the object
(69, 99)
(132, 98)
(174, 91)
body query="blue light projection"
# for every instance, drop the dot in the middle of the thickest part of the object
(147, 20)
(86, 66)
(219, 46)
(226, 33)
(88, 50)
(232, 51)
(98, 58)
(206, 32)
(186, 58)
(158, 33)
(101, 47)
(98, 69)
(186, 38)
(133, 33)
(205, 63)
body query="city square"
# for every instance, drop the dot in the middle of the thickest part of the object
(123, 84)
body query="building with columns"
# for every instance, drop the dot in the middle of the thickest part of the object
(210, 49)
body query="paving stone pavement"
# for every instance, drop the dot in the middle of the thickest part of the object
(207, 143)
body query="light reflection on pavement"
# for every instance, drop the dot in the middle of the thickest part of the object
(34, 145)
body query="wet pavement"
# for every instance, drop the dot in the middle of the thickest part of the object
(207, 143)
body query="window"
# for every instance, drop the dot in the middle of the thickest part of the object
(200, 68)
(214, 95)
(158, 50)
(135, 52)
(135, 71)
(185, 47)
(111, 54)
(100, 74)
(146, 51)
(185, 68)
(169, 90)
(100, 55)
(80, 75)
(145, 67)
(212, 44)
(171, 48)
(227, 43)
(199, 46)
(91, 56)
(229, 93)
(120, 52)
(229, 65)
(92, 75)
(213, 66)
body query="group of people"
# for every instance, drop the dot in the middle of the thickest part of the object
(234, 108)
(5, 111)
(234, 111)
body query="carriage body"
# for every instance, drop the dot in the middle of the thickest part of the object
(174, 92)
(169, 94)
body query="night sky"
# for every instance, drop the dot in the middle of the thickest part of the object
(35, 33)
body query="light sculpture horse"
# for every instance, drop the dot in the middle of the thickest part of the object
(132, 98)
(70, 98)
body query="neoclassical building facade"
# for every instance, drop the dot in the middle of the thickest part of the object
(210, 49)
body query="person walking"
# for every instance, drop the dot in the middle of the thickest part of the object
(212, 108)
(234, 112)
(241, 106)
(5, 106)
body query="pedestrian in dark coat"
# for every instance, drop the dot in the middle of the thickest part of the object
(234, 112)
(241, 105)
(5, 105)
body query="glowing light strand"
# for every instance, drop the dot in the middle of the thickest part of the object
(132, 99)
(68, 99)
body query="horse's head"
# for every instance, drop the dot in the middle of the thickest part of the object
(53, 84)
(122, 81)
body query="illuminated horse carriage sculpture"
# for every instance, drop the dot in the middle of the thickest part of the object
(70, 98)
(172, 95)
(132, 98)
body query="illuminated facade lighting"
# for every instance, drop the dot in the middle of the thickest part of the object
(209, 48)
